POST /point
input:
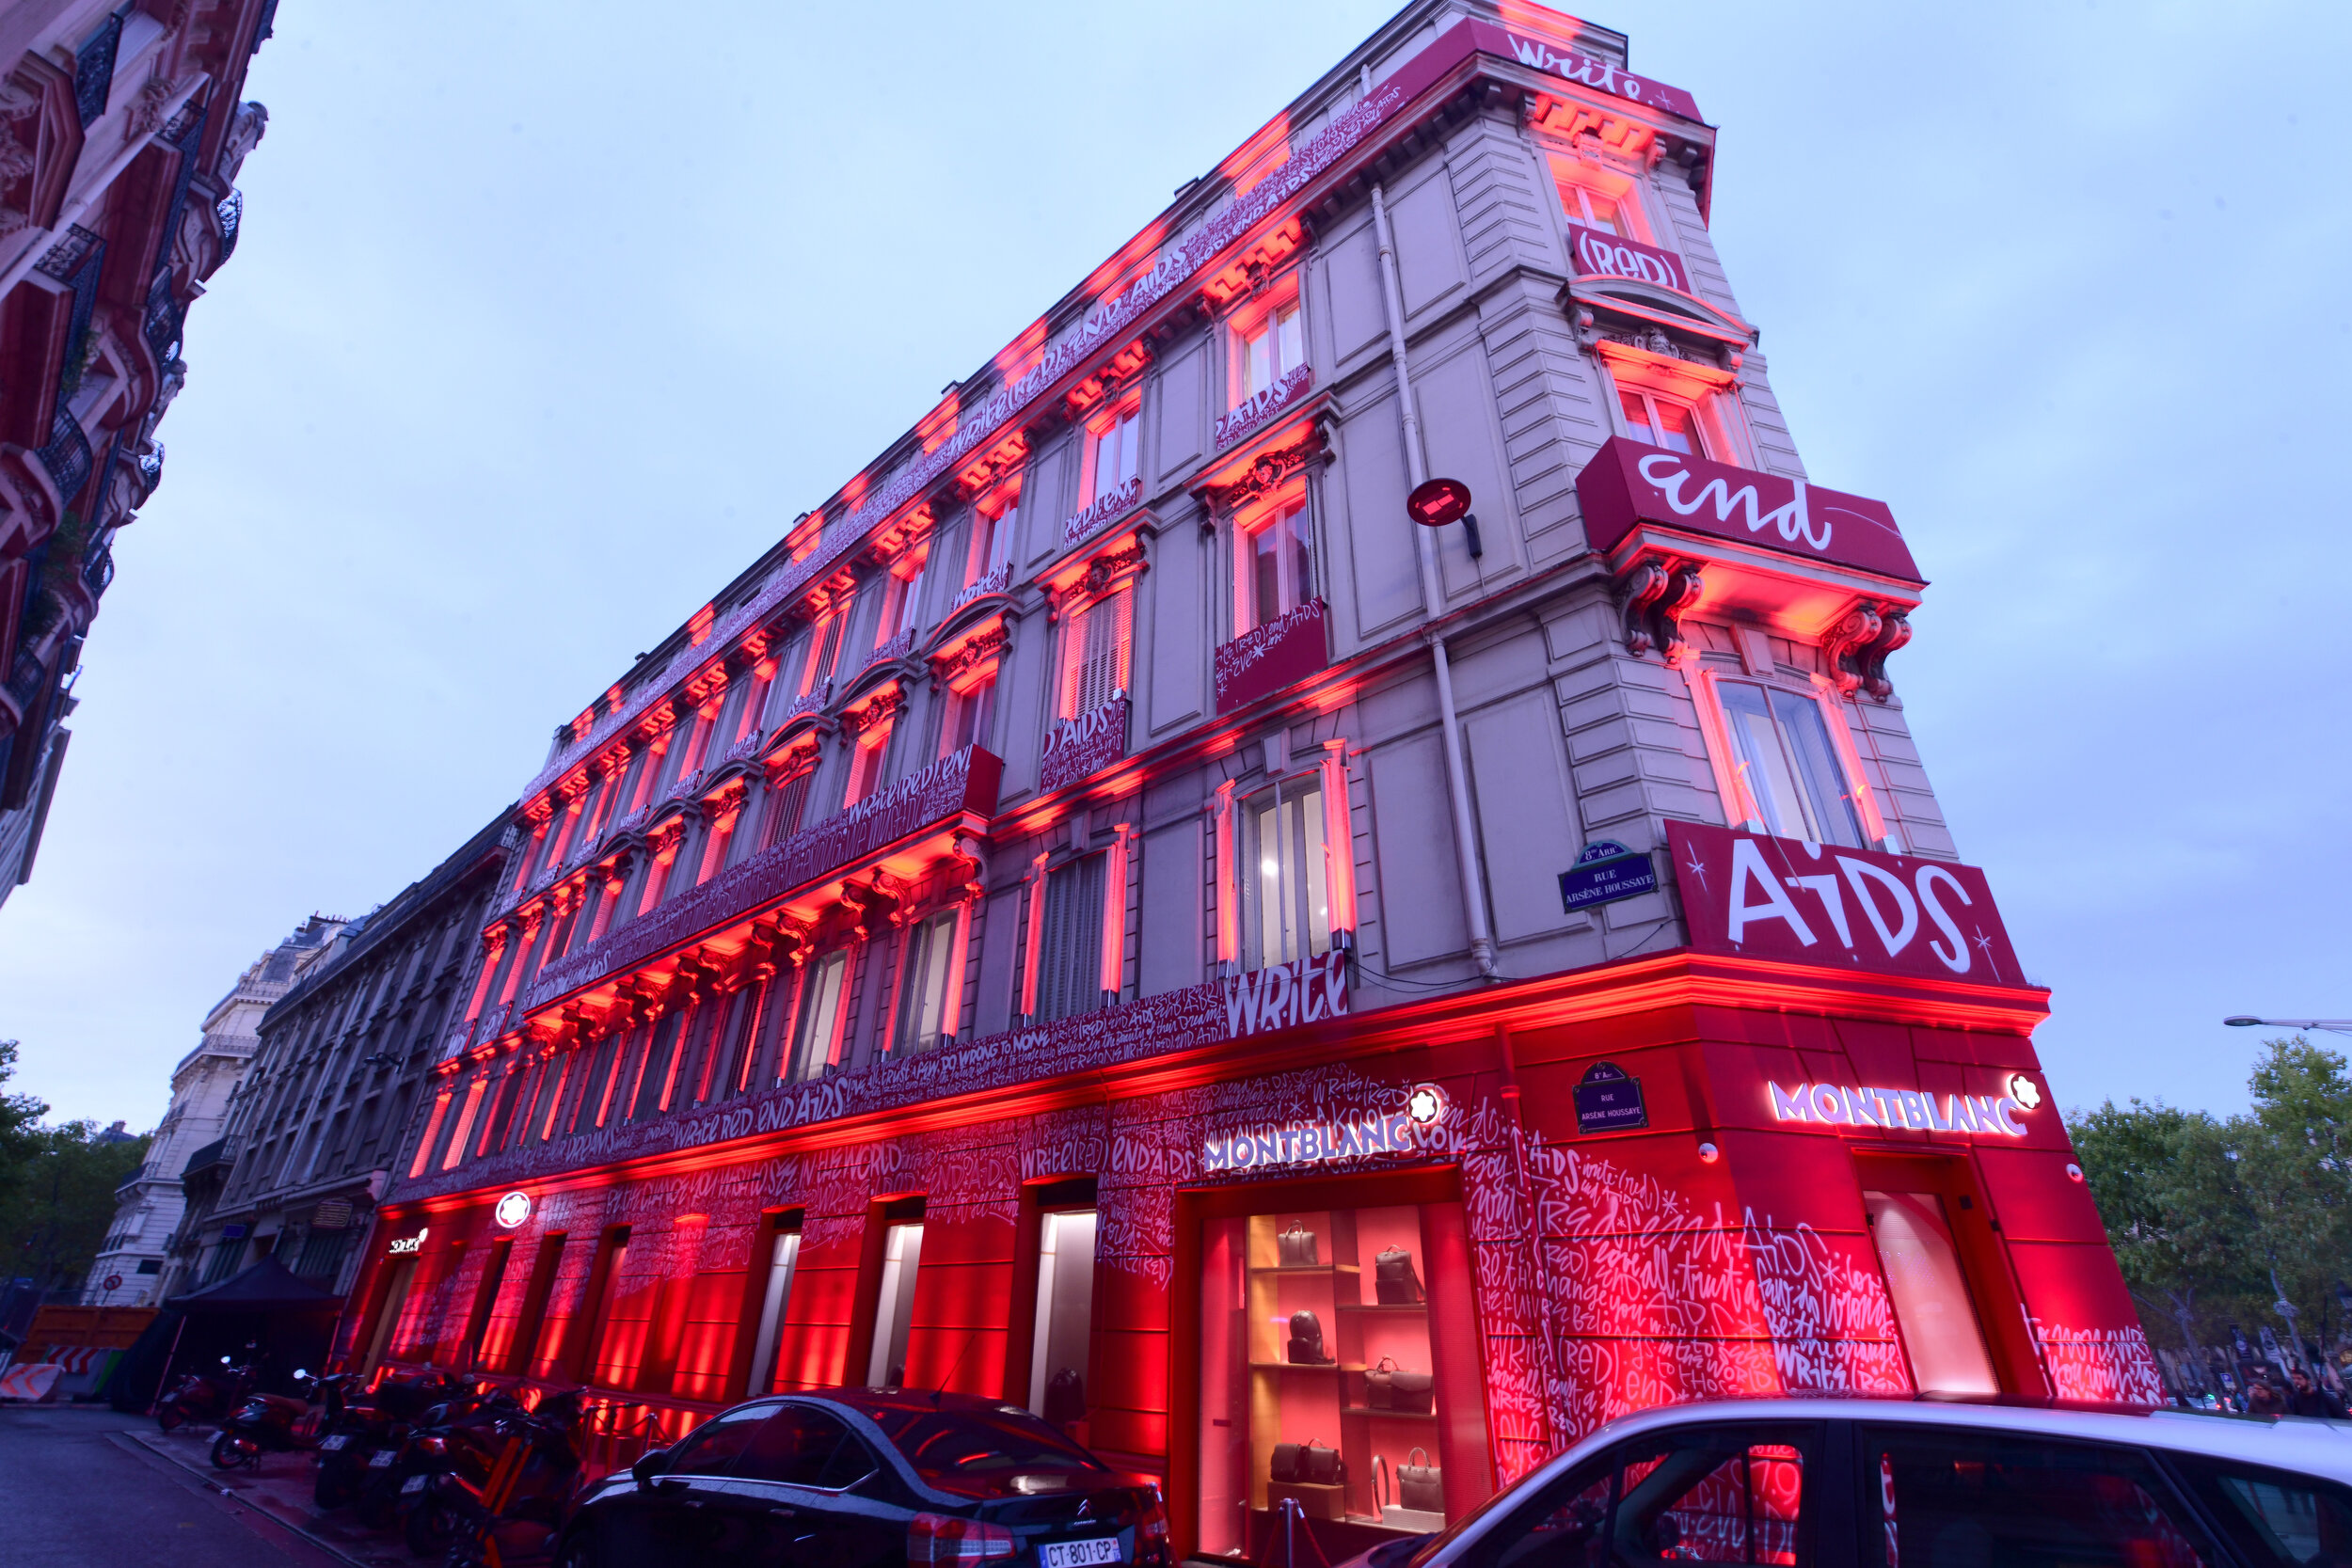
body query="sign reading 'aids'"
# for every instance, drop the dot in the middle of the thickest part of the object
(1854, 909)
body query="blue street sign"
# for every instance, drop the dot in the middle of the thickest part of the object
(1608, 1099)
(1606, 870)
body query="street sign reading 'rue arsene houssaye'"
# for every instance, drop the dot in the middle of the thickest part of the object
(1606, 870)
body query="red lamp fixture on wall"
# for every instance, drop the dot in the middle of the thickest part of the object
(1435, 503)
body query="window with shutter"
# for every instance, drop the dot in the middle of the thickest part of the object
(1070, 950)
(785, 802)
(1094, 654)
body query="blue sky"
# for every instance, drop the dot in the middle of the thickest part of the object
(542, 326)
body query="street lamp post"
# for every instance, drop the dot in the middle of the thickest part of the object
(2333, 1025)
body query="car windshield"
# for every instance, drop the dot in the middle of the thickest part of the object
(982, 1453)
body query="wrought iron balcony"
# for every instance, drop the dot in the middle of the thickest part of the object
(67, 456)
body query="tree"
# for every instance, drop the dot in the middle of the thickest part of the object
(2215, 1220)
(52, 1227)
(20, 1140)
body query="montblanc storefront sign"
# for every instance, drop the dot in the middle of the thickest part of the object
(1631, 483)
(1080, 746)
(1916, 1109)
(1852, 910)
(1599, 255)
(1315, 1143)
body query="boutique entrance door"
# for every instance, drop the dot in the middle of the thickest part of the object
(1948, 1278)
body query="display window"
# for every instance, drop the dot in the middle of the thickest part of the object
(775, 1295)
(1337, 1387)
(894, 1305)
(1065, 1316)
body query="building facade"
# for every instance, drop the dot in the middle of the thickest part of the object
(120, 138)
(1147, 903)
(309, 1135)
(149, 1206)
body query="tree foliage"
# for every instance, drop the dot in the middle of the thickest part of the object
(2206, 1213)
(19, 1115)
(52, 1227)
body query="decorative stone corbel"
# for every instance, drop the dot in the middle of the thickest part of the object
(1657, 590)
(1858, 647)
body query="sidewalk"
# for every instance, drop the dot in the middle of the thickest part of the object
(281, 1487)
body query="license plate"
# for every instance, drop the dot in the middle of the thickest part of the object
(414, 1483)
(332, 1445)
(1079, 1554)
(381, 1460)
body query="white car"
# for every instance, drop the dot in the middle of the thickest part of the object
(1865, 1483)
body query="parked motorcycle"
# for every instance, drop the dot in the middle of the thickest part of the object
(450, 1439)
(521, 1501)
(268, 1424)
(205, 1395)
(364, 1433)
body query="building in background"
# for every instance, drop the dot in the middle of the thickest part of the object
(149, 1206)
(309, 1135)
(1147, 905)
(120, 138)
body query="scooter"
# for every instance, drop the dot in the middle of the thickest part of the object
(364, 1434)
(202, 1396)
(520, 1504)
(266, 1422)
(460, 1446)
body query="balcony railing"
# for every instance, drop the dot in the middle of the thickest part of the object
(67, 455)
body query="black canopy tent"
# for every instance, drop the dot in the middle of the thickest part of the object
(286, 1319)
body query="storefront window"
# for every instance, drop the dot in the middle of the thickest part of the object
(1065, 1316)
(1939, 1325)
(1324, 1380)
(903, 1254)
(783, 1255)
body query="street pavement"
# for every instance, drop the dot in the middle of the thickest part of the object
(75, 1488)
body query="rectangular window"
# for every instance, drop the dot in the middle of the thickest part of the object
(1269, 349)
(901, 598)
(1094, 654)
(2001, 1497)
(1660, 422)
(785, 802)
(1286, 907)
(1070, 951)
(1065, 1315)
(865, 765)
(1933, 1311)
(1111, 453)
(824, 648)
(1275, 566)
(485, 1298)
(654, 1074)
(1589, 199)
(969, 708)
(1784, 758)
(524, 1352)
(992, 535)
(816, 1040)
(777, 1293)
(903, 1254)
(925, 977)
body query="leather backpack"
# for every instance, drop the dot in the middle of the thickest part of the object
(1393, 1279)
(1306, 1344)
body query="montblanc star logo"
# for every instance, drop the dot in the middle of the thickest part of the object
(2022, 1089)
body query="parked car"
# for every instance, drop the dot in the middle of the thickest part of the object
(851, 1476)
(1857, 1483)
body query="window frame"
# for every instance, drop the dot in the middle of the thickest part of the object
(1278, 317)
(938, 935)
(1301, 793)
(975, 689)
(1294, 501)
(1124, 415)
(1072, 659)
(1742, 809)
(1653, 400)
(803, 1043)
(1574, 173)
(990, 545)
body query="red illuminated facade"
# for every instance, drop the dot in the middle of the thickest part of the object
(120, 138)
(1113, 914)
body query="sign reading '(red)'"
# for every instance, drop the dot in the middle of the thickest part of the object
(1631, 483)
(1600, 255)
(1854, 909)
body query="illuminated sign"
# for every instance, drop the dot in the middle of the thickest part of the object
(408, 1244)
(1836, 1105)
(1599, 255)
(1631, 483)
(512, 1209)
(1311, 1143)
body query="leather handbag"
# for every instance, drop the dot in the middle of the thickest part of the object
(1065, 1397)
(1306, 1344)
(1413, 1393)
(1380, 1385)
(1284, 1467)
(1322, 1467)
(1298, 1247)
(1393, 1279)
(1416, 1485)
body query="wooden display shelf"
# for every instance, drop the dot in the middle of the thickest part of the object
(1387, 1415)
(1420, 1307)
(1306, 1365)
(1305, 1268)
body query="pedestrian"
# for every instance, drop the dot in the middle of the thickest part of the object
(2261, 1398)
(2307, 1398)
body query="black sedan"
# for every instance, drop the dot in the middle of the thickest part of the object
(851, 1477)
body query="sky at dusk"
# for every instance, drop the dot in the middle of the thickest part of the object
(545, 320)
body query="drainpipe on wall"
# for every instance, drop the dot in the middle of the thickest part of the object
(1417, 471)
